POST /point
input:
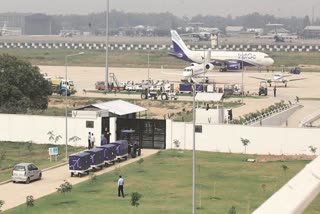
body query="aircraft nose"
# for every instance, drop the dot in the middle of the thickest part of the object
(271, 61)
(186, 74)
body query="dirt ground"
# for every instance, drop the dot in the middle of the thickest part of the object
(270, 158)
(85, 78)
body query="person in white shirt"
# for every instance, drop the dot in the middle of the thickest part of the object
(120, 186)
(93, 140)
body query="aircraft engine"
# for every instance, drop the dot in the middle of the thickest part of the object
(209, 66)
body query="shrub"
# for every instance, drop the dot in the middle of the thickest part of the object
(29, 201)
(64, 188)
(1, 204)
(135, 197)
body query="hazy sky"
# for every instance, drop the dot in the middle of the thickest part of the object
(282, 8)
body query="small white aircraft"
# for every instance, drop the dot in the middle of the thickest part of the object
(197, 71)
(278, 78)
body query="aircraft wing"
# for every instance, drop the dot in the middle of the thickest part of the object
(259, 78)
(221, 75)
(289, 80)
(172, 73)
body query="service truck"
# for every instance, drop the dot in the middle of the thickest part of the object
(62, 86)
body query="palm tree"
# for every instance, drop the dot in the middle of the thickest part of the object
(245, 143)
(313, 149)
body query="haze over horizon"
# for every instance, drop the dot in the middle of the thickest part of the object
(283, 8)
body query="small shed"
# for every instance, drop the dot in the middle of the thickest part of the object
(205, 110)
(115, 108)
(98, 117)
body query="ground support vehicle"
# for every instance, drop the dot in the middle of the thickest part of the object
(263, 88)
(96, 158)
(121, 149)
(155, 94)
(79, 164)
(62, 87)
(109, 153)
(133, 146)
(25, 172)
(99, 85)
(295, 70)
(187, 88)
(230, 90)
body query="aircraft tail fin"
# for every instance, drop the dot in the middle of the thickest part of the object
(180, 50)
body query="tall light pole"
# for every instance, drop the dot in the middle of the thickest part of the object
(242, 86)
(66, 96)
(106, 83)
(194, 152)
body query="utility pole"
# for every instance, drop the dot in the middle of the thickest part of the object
(106, 83)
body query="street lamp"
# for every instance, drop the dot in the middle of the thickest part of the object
(66, 96)
(194, 151)
(106, 83)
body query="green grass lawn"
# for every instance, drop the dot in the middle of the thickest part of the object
(164, 180)
(12, 153)
(139, 58)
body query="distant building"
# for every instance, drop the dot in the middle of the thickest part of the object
(38, 24)
(311, 32)
(257, 31)
(234, 30)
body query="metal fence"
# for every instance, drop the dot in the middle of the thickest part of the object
(131, 47)
(149, 133)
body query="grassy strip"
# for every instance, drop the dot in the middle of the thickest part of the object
(12, 153)
(164, 180)
(136, 59)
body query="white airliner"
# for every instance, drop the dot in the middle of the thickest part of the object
(278, 78)
(5, 32)
(229, 60)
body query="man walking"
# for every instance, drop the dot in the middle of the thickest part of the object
(275, 91)
(120, 186)
(89, 140)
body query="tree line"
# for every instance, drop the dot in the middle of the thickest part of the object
(95, 22)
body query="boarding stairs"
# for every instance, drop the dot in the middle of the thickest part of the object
(114, 80)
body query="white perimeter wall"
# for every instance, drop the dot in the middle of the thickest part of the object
(35, 128)
(226, 138)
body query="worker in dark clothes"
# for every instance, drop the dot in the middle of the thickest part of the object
(275, 91)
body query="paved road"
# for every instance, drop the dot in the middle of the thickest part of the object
(15, 194)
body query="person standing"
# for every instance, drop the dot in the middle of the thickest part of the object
(275, 91)
(89, 140)
(93, 140)
(120, 186)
